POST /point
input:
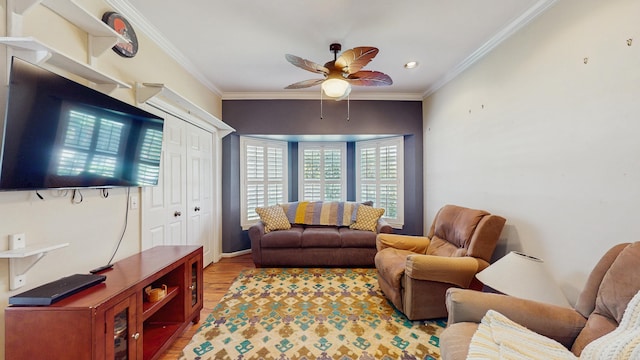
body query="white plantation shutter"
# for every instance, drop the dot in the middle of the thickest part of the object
(388, 189)
(323, 171)
(368, 173)
(275, 175)
(311, 174)
(333, 174)
(275, 163)
(311, 192)
(311, 168)
(264, 176)
(255, 162)
(254, 180)
(388, 199)
(381, 176)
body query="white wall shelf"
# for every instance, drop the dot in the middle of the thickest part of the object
(102, 37)
(30, 49)
(147, 91)
(23, 259)
(30, 250)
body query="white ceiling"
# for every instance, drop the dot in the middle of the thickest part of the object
(237, 47)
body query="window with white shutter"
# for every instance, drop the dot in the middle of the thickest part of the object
(380, 177)
(322, 168)
(264, 176)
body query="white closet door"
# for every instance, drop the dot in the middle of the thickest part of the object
(165, 205)
(181, 209)
(200, 190)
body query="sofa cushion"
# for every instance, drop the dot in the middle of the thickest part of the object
(367, 218)
(619, 285)
(357, 238)
(291, 238)
(390, 263)
(621, 343)
(321, 236)
(273, 218)
(455, 224)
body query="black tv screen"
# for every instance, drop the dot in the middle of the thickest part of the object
(59, 134)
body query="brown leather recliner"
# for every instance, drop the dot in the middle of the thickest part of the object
(598, 311)
(414, 272)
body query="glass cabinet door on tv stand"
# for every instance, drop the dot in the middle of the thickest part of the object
(195, 294)
(121, 324)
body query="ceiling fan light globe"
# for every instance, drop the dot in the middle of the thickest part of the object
(335, 87)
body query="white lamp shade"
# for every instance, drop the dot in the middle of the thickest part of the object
(520, 275)
(335, 87)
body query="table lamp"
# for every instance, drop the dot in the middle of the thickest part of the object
(524, 276)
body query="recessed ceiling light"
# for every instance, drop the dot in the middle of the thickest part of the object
(411, 65)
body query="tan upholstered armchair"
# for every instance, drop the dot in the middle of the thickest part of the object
(598, 311)
(414, 272)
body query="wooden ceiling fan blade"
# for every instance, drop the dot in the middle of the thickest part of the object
(305, 84)
(369, 78)
(351, 61)
(307, 64)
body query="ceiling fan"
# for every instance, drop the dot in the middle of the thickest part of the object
(342, 72)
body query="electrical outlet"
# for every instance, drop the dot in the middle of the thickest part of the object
(17, 241)
(133, 202)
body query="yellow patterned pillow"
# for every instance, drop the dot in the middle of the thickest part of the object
(367, 218)
(273, 218)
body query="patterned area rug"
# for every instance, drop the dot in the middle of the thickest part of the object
(311, 314)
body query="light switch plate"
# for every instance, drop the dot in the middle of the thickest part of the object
(133, 202)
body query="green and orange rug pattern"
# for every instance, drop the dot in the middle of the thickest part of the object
(311, 314)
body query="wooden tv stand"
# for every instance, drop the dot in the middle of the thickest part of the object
(114, 319)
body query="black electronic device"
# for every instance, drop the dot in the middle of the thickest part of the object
(101, 268)
(57, 290)
(60, 134)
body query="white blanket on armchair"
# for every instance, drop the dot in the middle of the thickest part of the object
(498, 337)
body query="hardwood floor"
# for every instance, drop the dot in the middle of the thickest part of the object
(216, 280)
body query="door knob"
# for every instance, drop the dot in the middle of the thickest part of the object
(136, 336)
(177, 213)
(197, 208)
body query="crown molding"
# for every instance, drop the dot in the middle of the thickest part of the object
(142, 25)
(283, 95)
(153, 33)
(506, 32)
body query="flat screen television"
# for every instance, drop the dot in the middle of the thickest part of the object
(60, 134)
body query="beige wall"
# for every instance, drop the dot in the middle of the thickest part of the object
(534, 134)
(93, 227)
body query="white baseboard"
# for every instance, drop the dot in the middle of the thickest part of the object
(237, 253)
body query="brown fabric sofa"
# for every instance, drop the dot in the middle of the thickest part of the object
(598, 311)
(315, 246)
